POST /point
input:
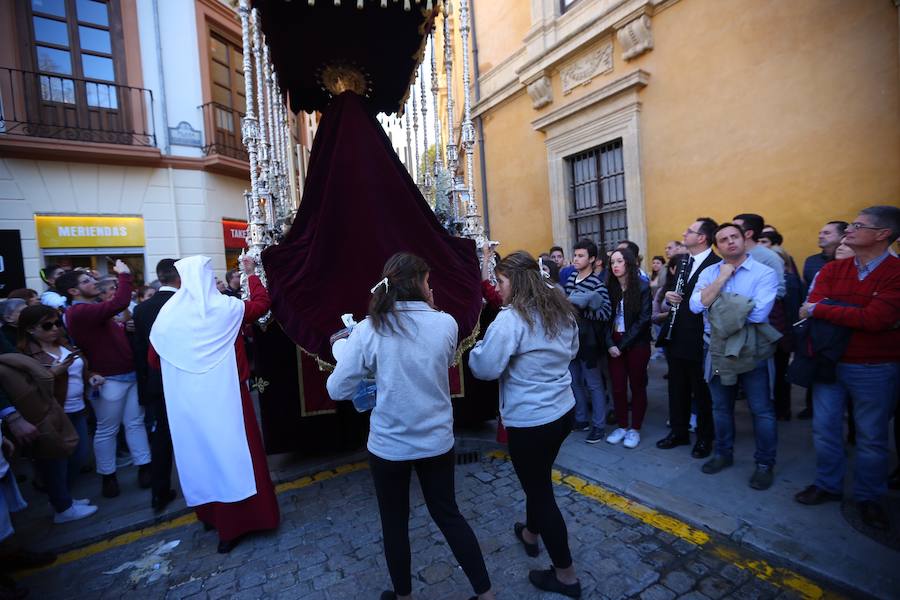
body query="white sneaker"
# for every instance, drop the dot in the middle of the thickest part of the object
(632, 438)
(616, 436)
(74, 513)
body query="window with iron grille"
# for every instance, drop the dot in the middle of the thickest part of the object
(564, 5)
(597, 195)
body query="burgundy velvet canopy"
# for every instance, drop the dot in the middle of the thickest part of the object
(359, 207)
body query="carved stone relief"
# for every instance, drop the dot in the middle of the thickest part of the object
(636, 37)
(582, 71)
(541, 92)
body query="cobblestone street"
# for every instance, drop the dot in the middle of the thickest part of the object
(329, 546)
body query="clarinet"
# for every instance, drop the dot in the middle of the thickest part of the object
(680, 281)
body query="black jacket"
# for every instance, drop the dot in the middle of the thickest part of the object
(150, 388)
(637, 323)
(687, 337)
(819, 347)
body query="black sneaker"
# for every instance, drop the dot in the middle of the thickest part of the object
(762, 477)
(597, 434)
(547, 581)
(581, 426)
(716, 464)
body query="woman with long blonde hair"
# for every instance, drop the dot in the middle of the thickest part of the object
(528, 348)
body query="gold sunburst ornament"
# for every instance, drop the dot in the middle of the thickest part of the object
(338, 78)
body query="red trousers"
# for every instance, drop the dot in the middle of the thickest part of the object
(630, 369)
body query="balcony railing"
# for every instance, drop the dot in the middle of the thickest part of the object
(223, 131)
(68, 108)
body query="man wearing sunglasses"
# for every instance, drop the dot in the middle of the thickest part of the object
(93, 328)
(866, 295)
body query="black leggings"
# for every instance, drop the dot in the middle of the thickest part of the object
(533, 451)
(438, 487)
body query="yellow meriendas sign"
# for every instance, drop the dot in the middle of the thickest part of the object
(83, 231)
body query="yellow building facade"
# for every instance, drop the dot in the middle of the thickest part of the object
(629, 118)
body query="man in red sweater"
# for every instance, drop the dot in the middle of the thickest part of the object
(93, 328)
(869, 370)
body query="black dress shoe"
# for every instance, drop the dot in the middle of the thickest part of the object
(814, 495)
(547, 581)
(226, 547)
(388, 595)
(873, 515)
(160, 502)
(702, 449)
(805, 414)
(672, 440)
(530, 549)
(145, 477)
(110, 488)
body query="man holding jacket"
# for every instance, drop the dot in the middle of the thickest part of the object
(739, 286)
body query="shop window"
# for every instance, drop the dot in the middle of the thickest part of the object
(597, 195)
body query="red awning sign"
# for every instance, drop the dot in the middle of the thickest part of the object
(235, 234)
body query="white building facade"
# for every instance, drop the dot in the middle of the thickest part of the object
(120, 134)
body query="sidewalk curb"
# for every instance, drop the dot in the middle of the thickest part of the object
(767, 543)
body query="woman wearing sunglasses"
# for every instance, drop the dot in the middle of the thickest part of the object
(42, 337)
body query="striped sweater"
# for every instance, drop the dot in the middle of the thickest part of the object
(875, 314)
(591, 283)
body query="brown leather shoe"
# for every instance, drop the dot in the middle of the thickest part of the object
(814, 495)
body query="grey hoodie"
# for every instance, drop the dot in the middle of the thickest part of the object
(535, 384)
(413, 417)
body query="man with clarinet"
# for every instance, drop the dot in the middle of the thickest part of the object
(682, 337)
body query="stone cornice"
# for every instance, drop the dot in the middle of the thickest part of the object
(551, 42)
(634, 80)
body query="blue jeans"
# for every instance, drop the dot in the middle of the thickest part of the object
(587, 385)
(82, 450)
(756, 386)
(873, 389)
(53, 471)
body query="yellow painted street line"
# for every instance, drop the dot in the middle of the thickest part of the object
(777, 576)
(113, 542)
(188, 519)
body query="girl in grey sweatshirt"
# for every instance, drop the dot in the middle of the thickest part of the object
(528, 348)
(409, 345)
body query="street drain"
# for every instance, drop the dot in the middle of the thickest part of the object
(467, 458)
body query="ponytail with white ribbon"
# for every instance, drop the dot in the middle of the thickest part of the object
(383, 282)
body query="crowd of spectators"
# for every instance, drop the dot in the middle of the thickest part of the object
(736, 318)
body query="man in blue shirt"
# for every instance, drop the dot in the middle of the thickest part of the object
(740, 274)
